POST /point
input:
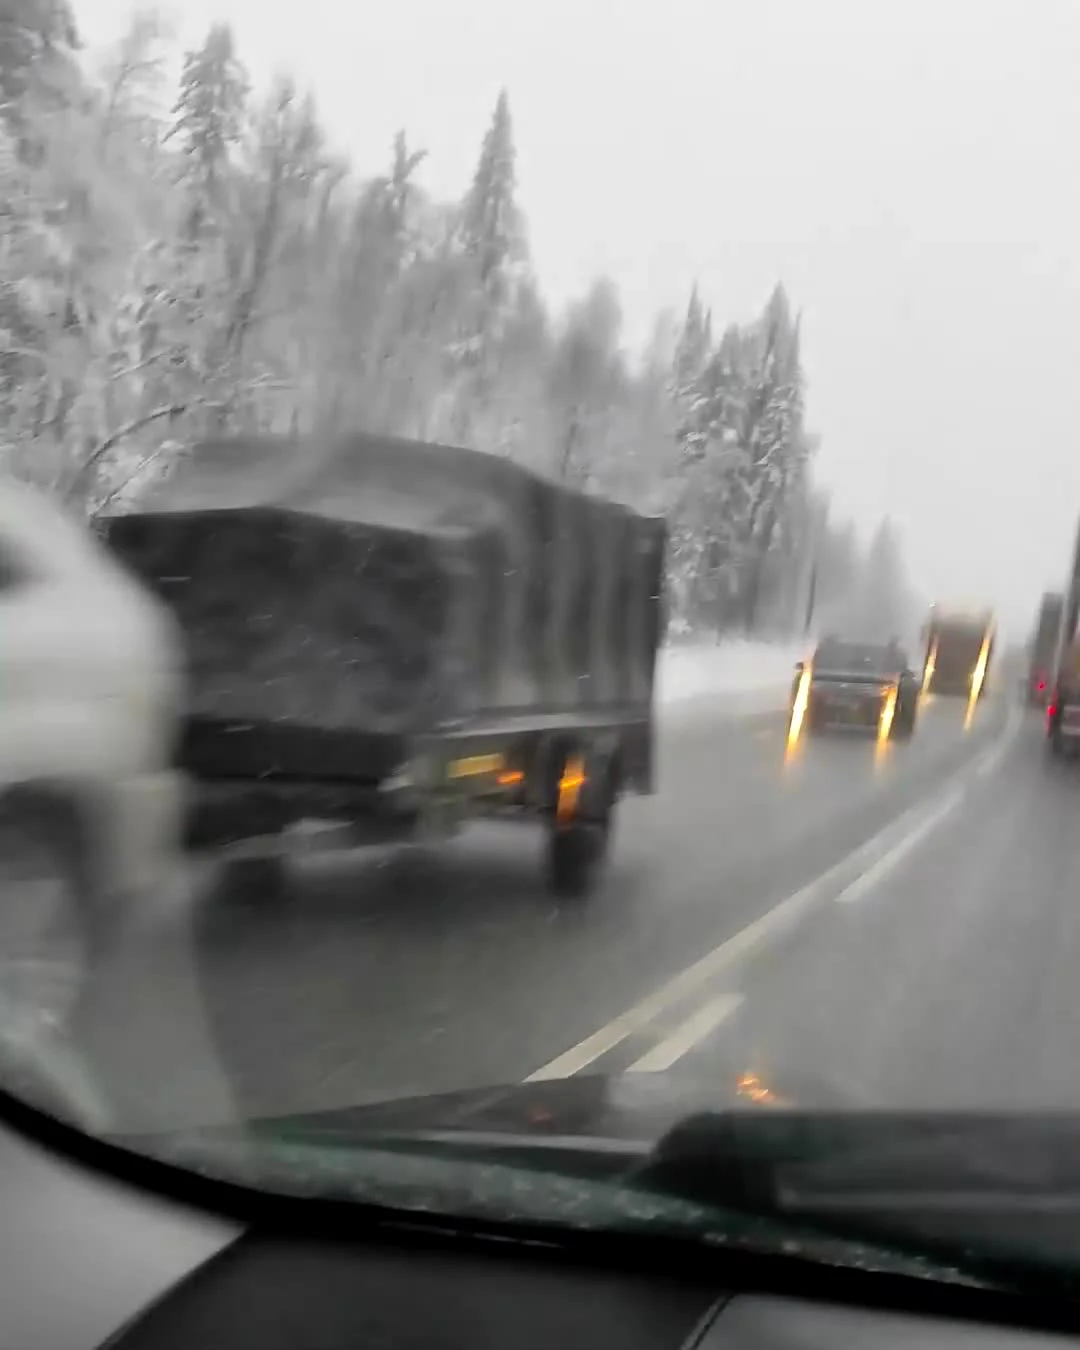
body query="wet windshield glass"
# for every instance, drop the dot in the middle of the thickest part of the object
(852, 656)
(444, 453)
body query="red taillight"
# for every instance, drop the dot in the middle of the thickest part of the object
(1040, 685)
(1050, 711)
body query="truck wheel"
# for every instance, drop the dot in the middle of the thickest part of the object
(52, 917)
(577, 849)
(903, 727)
(576, 857)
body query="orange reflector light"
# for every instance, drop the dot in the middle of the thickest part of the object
(510, 777)
(570, 785)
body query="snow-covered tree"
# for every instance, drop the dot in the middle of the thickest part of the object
(194, 261)
(492, 244)
(208, 121)
(883, 606)
(586, 382)
(38, 39)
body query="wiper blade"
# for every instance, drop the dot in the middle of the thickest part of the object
(791, 1157)
(590, 1158)
(1001, 1191)
(992, 1193)
(777, 1160)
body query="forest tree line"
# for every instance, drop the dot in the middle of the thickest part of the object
(197, 260)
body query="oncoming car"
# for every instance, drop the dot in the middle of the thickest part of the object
(90, 807)
(860, 685)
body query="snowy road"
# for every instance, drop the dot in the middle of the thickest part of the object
(899, 931)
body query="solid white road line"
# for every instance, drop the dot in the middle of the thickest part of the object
(768, 926)
(865, 882)
(696, 1027)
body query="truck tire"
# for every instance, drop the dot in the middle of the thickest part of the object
(576, 857)
(577, 850)
(54, 920)
(903, 727)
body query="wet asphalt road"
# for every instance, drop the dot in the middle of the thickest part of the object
(945, 974)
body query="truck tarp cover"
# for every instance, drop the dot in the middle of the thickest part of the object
(368, 584)
(956, 643)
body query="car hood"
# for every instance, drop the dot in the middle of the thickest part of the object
(631, 1106)
(737, 1158)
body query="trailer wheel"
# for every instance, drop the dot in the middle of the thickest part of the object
(576, 857)
(577, 849)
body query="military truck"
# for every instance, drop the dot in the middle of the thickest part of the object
(396, 637)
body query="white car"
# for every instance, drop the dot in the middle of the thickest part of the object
(90, 806)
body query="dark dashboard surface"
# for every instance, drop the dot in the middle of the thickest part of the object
(87, 1260)
(278, 1294)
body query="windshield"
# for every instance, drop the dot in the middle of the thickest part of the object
(445, 445)
(854, 656)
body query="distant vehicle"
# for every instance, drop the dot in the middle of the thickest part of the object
(959, 649)
(392, 638)
(90, 807)
(860, 685)
(1063, 705)
(1042, 649)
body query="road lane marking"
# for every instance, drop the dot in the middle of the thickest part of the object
(770, 925)
(866, 881)
(983, 765)
(694, 1030)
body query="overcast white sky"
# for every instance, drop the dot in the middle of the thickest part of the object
(908, 170)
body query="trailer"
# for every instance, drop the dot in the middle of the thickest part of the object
(958, 653)
(1042, 650)
(393, 638)
(1063, 705)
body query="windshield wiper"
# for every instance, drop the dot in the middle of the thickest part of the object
(992, 1186)
(1000, 1189)
(781, 1160)
(995, 1194)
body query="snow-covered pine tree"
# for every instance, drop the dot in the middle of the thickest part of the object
(884, 606)
(38, 72)
(492, 243)
(586, 380)
(207, 125)
(775, 447)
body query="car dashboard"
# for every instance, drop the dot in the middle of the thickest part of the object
(88, 1260)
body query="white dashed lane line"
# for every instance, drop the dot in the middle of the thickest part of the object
(693, 1031)
(850, 879)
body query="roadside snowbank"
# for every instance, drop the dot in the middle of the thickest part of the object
(745, 675)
